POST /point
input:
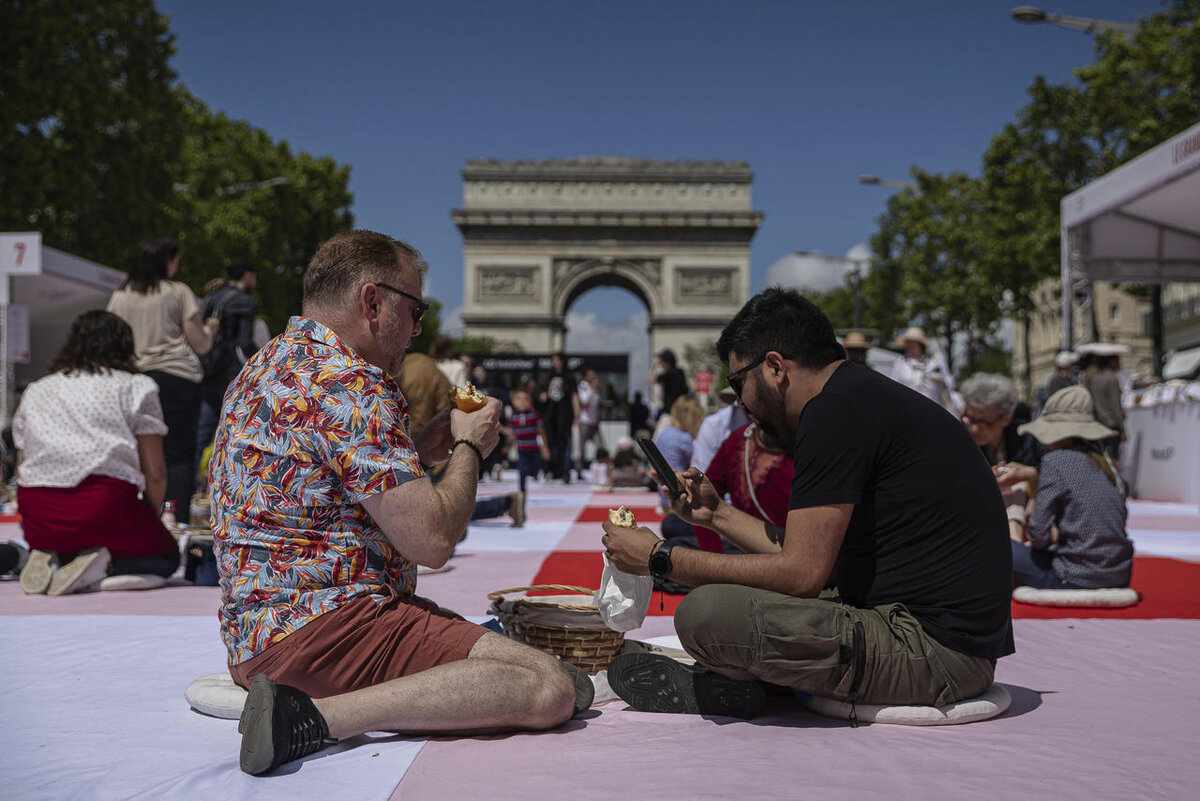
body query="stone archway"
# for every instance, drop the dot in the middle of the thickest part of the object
(537, 235)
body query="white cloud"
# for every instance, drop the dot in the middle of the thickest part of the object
(587, 333)
(860, 252)
(816, 271)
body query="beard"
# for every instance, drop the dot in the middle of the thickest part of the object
(770, 414)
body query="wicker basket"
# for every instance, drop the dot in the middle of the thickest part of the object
(574, 632)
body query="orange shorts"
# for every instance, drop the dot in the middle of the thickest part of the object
(362, 644)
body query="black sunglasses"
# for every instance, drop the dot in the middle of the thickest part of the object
(418, 311)
(737, 379)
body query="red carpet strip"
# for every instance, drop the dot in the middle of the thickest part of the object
(1170, 588)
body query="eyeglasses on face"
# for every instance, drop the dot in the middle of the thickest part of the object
(972, 420)
(737, 379)
(420, 307)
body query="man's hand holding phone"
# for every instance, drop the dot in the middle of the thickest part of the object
(698, 502)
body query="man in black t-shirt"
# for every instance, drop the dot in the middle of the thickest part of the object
(890, 497)
(560, 414)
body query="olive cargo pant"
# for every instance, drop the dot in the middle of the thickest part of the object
(877, 655)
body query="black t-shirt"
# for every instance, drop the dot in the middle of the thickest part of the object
(929, 529)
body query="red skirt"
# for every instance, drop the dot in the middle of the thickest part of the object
(99, 511)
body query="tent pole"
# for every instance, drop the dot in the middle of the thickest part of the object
(1068, 288)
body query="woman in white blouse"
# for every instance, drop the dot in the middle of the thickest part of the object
(923, 370)
(90, 436)
(168, 337)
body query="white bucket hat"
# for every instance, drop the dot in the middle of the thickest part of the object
(1065, 358)
(1067, 414)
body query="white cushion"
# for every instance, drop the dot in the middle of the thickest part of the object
(132, 581)
(216, 695)
(1114, 597)
(994, 701)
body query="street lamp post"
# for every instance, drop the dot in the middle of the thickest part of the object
(875, 180)
(1034, 15)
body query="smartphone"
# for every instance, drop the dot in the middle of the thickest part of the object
(659, 462)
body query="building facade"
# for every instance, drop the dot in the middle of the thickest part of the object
(1120, 318)
(537, 235)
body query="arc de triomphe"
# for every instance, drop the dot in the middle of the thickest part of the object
(537, 235)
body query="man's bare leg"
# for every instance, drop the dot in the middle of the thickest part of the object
(501, 685)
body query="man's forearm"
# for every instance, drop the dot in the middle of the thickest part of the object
(745, 531)
(455, 493)
(694, 568)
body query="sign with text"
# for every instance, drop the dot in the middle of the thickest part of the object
(17, 328)
(20, 254)
(703, 382)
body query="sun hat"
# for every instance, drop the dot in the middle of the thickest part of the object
(856, 340)
(914, 333)
(1068, 413)
(1065, 358)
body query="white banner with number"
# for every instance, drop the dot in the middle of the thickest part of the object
(21, 254)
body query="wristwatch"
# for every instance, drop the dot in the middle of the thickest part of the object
(660, 560)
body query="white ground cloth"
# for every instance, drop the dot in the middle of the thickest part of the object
(88, 720)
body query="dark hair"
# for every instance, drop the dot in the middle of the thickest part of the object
(345, 262)
(150, 265)
(785, 321)
(442, 348)
(239, 267)
(99, 341)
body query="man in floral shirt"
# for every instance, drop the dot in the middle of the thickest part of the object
(322, 512)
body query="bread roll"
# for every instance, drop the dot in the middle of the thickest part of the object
(622, 517)
(469, 399)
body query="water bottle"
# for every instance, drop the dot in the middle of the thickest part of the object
(168, 514)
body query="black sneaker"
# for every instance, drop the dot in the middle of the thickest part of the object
(279, 724)
(655, 683)
(585, 690)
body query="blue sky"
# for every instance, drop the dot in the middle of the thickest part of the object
(810, 94)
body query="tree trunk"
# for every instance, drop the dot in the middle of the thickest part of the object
(1027, 353)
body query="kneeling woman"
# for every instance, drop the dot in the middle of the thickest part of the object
(1076, 534)
(91, 438)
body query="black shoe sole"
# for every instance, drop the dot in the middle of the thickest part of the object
(255, 725)
(585, 690)
(655, 683)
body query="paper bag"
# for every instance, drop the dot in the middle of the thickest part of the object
(623, 598)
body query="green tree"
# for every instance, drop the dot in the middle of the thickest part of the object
(928, 264)
(1142, 89)
(242, 194)
(90, 128)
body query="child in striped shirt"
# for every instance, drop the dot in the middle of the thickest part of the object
(525, 427)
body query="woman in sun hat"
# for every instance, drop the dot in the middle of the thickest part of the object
(1076, 533)
(923, 370)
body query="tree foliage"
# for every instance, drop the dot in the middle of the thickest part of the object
(927, 265)
(90, 127)
(1142, 89)
(100, 147)
(225, 207)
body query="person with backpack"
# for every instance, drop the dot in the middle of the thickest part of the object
(232, 303)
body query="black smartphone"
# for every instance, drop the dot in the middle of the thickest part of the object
(659, 462)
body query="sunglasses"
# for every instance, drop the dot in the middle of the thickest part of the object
(418, 311)
(737, 379)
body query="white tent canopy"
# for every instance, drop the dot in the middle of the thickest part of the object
(1139, 223)
(51, 288)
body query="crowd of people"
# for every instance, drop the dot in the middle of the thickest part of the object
(339, 465)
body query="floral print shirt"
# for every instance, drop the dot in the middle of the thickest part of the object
(308, 430)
